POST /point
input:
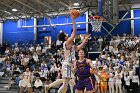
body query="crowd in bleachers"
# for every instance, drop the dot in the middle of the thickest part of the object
(119, 57)
(43, 61)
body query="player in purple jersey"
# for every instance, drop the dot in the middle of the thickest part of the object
(67, 73)
(82, 69)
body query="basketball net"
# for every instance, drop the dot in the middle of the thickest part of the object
(96, 23)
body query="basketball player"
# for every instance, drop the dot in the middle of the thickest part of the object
(26, 82)
(60, 80)
(82, 69)
(69, 57)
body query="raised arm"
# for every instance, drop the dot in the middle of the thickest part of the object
(74, 67)
(84, 42)
(93, 68)
(71, 38)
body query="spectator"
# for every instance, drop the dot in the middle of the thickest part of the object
(38, 84)
(38, 48)
(118, 82)
(58, 44)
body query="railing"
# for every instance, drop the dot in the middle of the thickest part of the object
(95, 46)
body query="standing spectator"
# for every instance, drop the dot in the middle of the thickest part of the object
(135, 82)
(127, 82)
(46, 41)
(118, 82)
(111, 82)
(103, 84)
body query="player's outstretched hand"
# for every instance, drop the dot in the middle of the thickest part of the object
(72, 16)
(74, 66)
(87, 37)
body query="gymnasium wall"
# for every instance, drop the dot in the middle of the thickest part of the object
(12, 33)
(136, 22)
(50, 31)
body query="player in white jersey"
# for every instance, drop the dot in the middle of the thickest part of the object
(69, 57)
(26, 81)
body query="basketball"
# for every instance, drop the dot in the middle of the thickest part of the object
(75, 13)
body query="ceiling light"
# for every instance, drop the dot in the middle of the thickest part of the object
(14, 10)
(76, 4)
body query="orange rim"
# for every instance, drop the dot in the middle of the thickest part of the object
(95, 17)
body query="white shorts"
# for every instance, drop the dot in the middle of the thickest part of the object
(26, 84)
(67, 70)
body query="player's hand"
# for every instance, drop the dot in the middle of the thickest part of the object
(92, 71)
(74, 63)
(73, 17)
(74, 66)
(87, 37)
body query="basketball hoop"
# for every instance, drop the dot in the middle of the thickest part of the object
(96, 22)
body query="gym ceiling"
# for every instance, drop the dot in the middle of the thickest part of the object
(16, 9)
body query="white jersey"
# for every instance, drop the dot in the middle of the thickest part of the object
(69, 54)
(27, 76)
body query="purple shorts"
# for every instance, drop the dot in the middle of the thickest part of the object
(84, 83)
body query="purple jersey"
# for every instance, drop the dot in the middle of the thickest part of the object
(83, 69)
(84, 76)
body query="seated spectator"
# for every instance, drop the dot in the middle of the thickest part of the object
(38, 48)
(44, 50)
(38, 84)
(31, 48)
(35, 57)
(115, 50)
(7, 51)
(42, 76)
